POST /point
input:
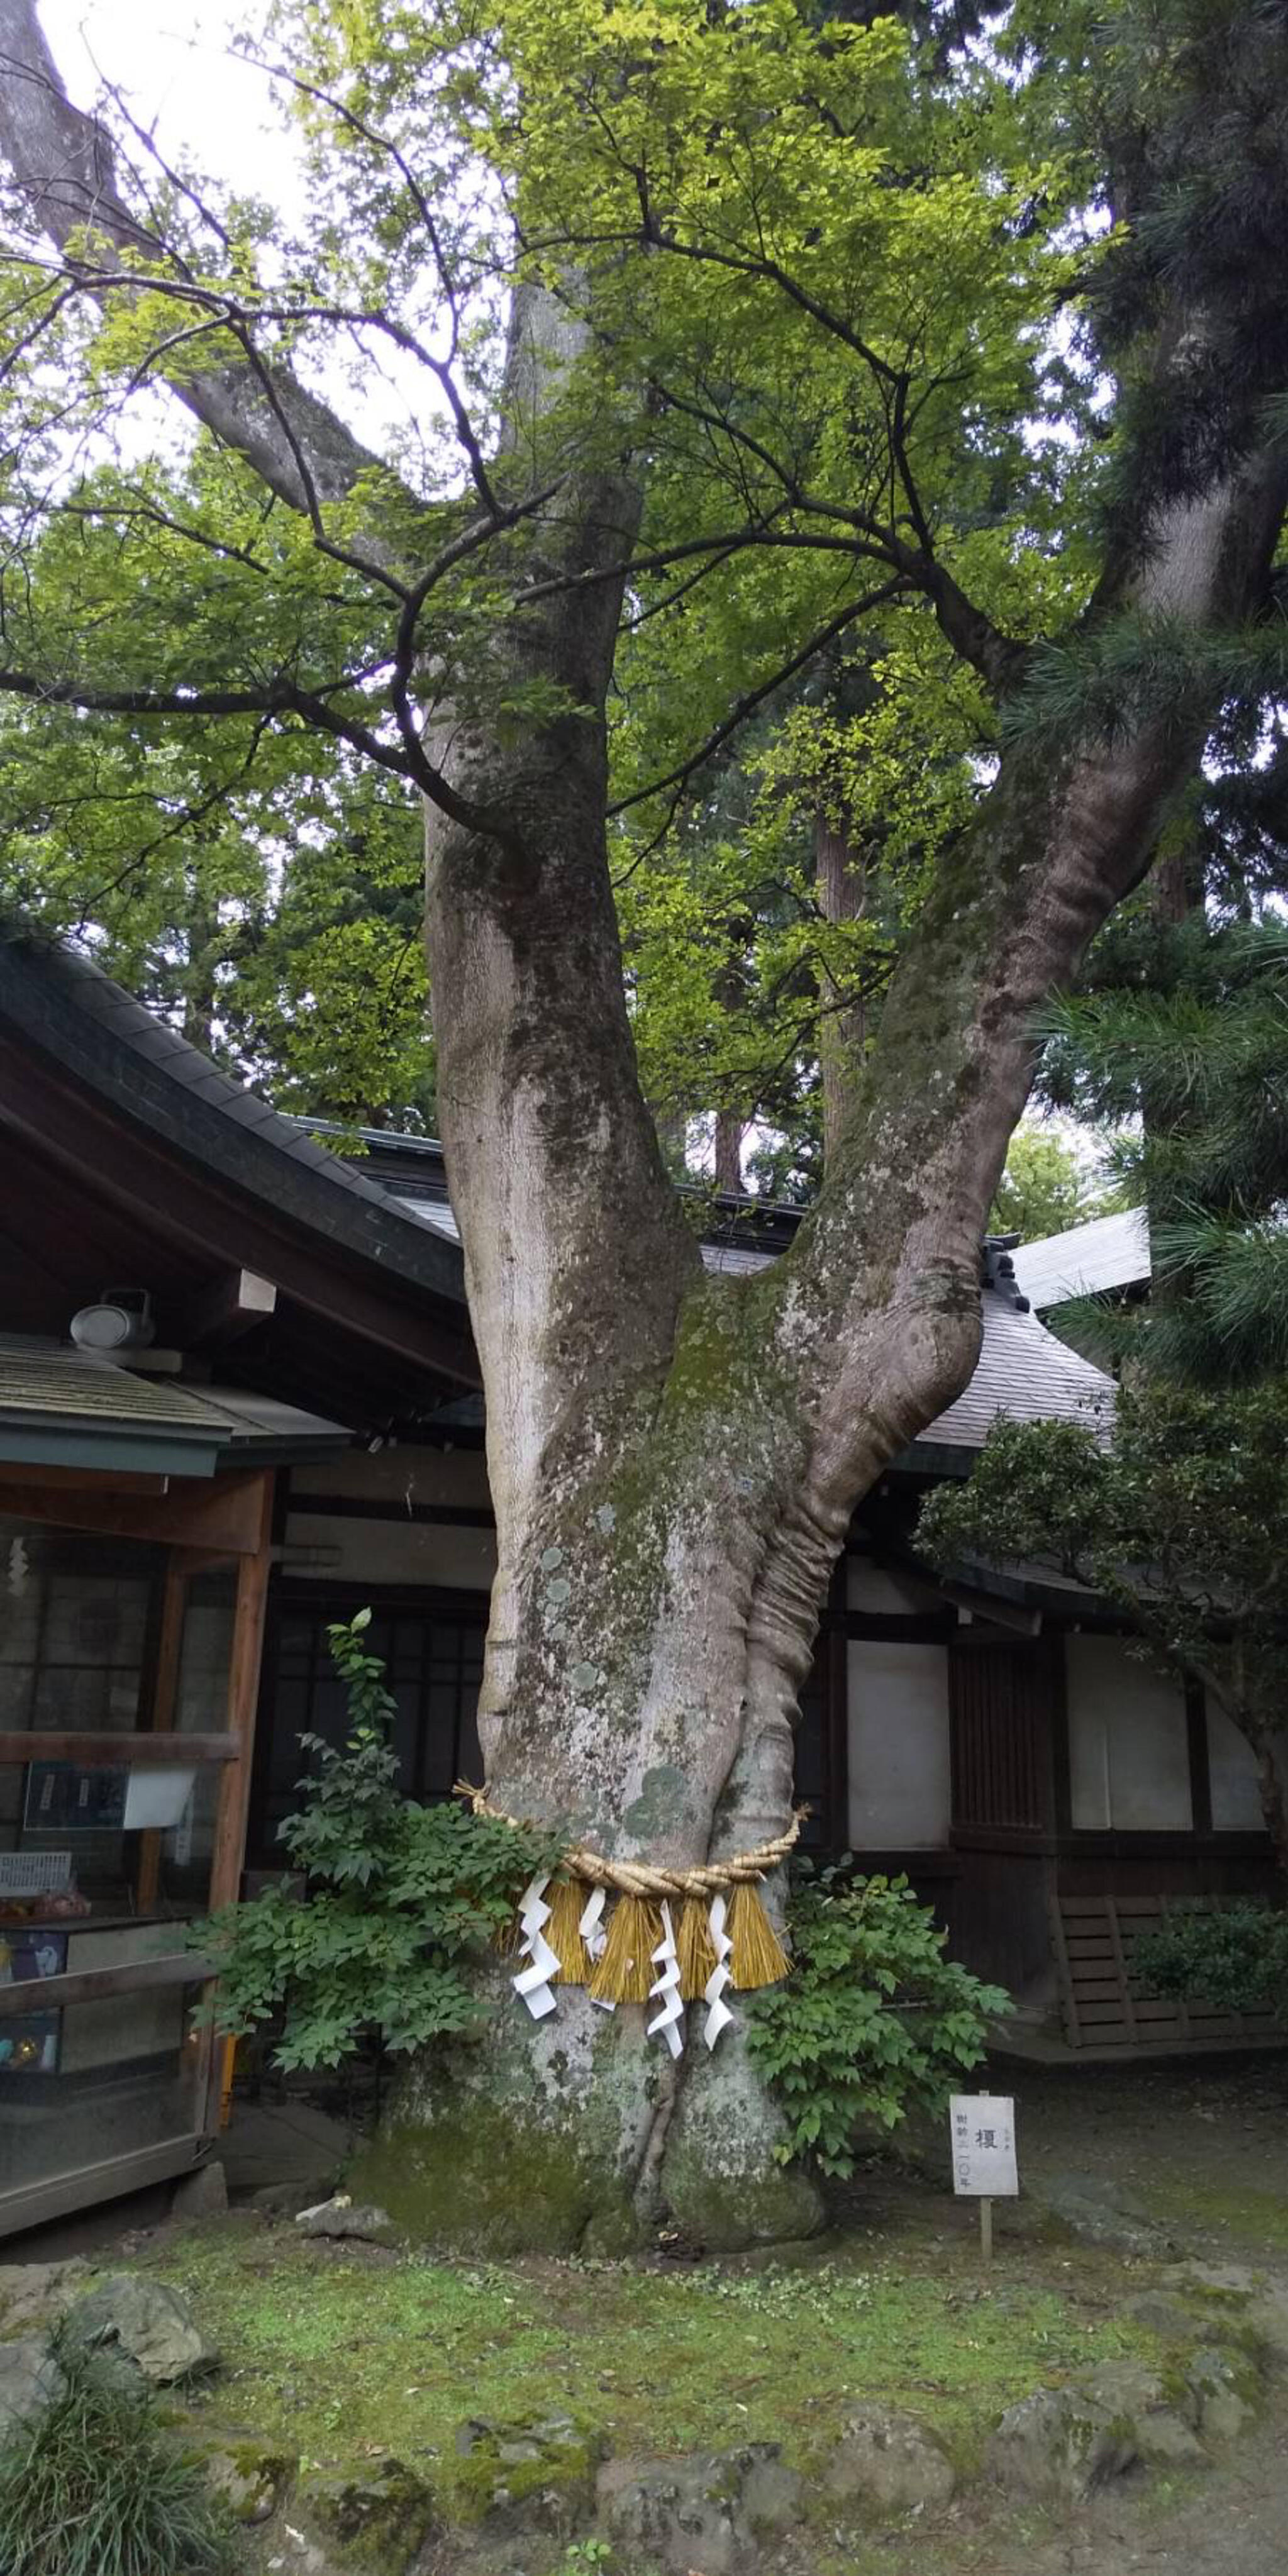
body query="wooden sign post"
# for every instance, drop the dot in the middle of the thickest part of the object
(984, 2163)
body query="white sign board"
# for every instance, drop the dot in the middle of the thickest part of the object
(155, 1799)
(983, 2127)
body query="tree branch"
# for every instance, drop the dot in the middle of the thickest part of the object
(63, 163)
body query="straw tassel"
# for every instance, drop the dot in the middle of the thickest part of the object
(758, 1957)
(624, 1975)
(695, 1948)
(566, 1898)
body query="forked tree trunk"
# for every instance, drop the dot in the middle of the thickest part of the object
(675, 1457)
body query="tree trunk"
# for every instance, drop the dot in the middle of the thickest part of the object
(675, 1457)
(729, 1132)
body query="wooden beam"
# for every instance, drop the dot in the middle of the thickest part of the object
(220, 1515)
(101, 1985)
(231, 1304)
(123, 1751)
(78, 1480)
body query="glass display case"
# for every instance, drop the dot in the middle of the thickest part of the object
(127, 1679)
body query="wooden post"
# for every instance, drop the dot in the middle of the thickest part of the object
(243, 1691)
(165, 1690)
(229, 1850)
(986, 2230)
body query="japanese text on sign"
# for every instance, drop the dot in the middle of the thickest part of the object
(983, 2133)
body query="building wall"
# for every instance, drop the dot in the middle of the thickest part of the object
(410, 1522)
(900, 1791)
(1129, 1758)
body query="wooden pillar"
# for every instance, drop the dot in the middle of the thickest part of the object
(165, 1689)
(243, 1691)
(229, 1847)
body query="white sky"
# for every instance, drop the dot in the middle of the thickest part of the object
(174, 62)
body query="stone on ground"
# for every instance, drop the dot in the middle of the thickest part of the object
(536, 2475)
(30, 2380)
(1225, 2389)
(341, 2217)
(1103, 2212)
(1058, 2446)
(889, 2461)
(201, 2194)
(1163, 2428)
(34, 2294)
(379, 2522)
(144, 2325)
(704, 2513)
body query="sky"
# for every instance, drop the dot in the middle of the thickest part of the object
(175, 63)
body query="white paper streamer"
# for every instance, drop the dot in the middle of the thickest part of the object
(668, 2021)
(718, 2013)
(533, 1982)
(595, 1937)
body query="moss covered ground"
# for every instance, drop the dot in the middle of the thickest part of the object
(335, 2353)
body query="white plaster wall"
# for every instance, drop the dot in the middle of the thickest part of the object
(1236, 1807)
(1128, 1748)
(900, 1781)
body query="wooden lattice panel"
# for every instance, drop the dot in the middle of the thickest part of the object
(1105, 2005)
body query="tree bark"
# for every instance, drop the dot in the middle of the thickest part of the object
(729, 1132)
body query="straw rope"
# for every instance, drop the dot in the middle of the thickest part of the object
(640, 1878)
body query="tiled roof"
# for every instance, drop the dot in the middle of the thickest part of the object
(1024, 1373)
(1109, 1252)
(62, 1003)
(47, 1382)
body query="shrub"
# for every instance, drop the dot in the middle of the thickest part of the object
(1234, 1956)
(94, 2488)
(873, 2022)
(397, 1900)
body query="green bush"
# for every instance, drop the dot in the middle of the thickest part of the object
(94, 2488)
(873, 2022)
(1234, 1956)
(397, 1900)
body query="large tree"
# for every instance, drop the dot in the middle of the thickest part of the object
(762, 321)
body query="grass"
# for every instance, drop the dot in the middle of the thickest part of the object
(335, 2358)
(92, 2488)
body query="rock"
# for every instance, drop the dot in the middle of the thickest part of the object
(1225, 2390)
(340, 2216)
(1165, 2314)
(1255, 2304)
(706, 2512)
(145, 2324)
(286, 2199)
(38, 2293)
(251, 2480)
(201, 2194)
(534, 2476)
(890, 2461)
(381, 2522)
(1102, 2213)
(1161, 2424)
(1058, 2446)
(30, 2380)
